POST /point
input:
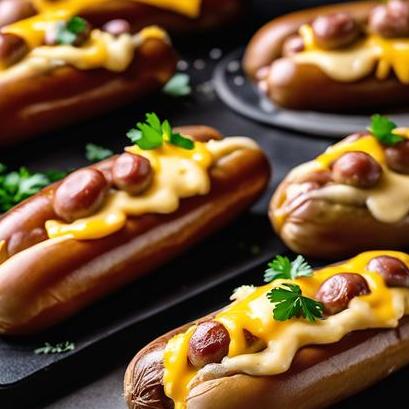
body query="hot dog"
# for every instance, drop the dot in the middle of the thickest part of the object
(351, 198)
(353, 52)
(104, 67)
(103, 226)
(291, 363)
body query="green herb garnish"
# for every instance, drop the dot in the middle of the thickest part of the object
(19, 185)
(152, 134)
(60, 348)
(381, 128)
(282, 267)
(68, 32)
(178, 86)
(95, 153)
(289, 302)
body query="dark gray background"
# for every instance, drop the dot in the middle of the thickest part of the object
(101, 387)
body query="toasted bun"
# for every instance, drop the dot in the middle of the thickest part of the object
(41, 103)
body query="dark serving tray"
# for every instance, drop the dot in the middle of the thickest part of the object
(238, 93)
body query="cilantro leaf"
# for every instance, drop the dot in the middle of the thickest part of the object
(60, 348)
(381, 128)
(178, 85)
(68, 32)
(19, 185)
(152, 134)
(95, 153)
(289, 303)
(282, 267)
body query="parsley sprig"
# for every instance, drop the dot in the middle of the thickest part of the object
(289, 303)
(59, 348)
(19, 185)
(153, 133)
(95, 153)
(68, 32)
(382, 128)
(282, 267)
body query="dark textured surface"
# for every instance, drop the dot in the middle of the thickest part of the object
(92, 376)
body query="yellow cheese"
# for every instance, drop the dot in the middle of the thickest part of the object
(178, 174)
(388, 201)
(3, 251)
(252, 311)
(189, 8)
(181, 375)
(385, 56)
(102, 50)
(51, 11)
(367, 144)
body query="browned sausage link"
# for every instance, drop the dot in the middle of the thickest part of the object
(357, 169)
(335, 30)
(293, 45)
(337, 291)
(51, 34)
(132, 173)
(12, 49)
(393, 270)
(15, 10)
(80, 194)
(209, 344)
(117, 27)
(390, 20)
(397, 157)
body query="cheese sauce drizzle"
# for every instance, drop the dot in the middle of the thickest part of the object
(251, 310)
(50, 11)
(372, 53)
(388, 201)
(102, 50)
(178, 174)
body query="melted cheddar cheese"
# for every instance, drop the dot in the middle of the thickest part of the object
(373, 53)
(178, 174)
(102, 50)
(50, 11)
(252, 311)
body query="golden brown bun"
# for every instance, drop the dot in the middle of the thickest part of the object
(293, 85)
(43, 285)
(42, 103)
(322, 229)
(319, 375)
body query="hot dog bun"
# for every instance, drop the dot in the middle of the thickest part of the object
(291, 80)
(37, 103)
(327, 229)
(319, 375)
(43, 283)
(318, 215)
